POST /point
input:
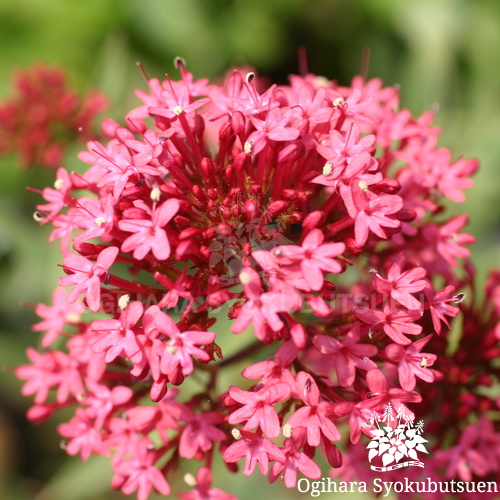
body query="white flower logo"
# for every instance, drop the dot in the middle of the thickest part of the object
(396, 440)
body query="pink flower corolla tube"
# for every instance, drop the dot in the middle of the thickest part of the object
(299, 227)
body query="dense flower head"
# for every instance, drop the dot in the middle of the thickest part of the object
(311, 215)
(44, 116)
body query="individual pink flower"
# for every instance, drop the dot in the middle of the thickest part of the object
(381, 394)
(316, 415)
(347, 354)
(149, 234)
(200, 433)
(117, 337)
(96, 217)
(260, 308)
(448, 241)
(314, 257)
(400, 285)
(344, 147)
(395, 323)
(440, 307)
(139, 473)
(57, 316)
(87, 276)
(275, 128)
(82, 435)
(370, 211)
(296, 461)
(258, 408)
(256, 450)
(203, 491)
(181, 347)
(412, 362)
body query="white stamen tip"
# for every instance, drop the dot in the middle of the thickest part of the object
(155, 194)
(58, 184)
(249, 76)
(177, 110)
(339, 101)
(236, 434)
(100, 221)
(190, 480)
(247, 147)
(123, 301)
(245, 278)
(327, 169)
(363, 185)
(287, 430)
(38, 216)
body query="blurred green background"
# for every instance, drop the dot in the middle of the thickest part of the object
(439, 51)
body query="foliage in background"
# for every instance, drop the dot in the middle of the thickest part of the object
(443, 52)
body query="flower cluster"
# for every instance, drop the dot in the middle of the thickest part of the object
(312, 216)
(44, 116)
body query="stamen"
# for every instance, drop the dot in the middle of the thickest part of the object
(327, 169)
(123, 301)
(236, 434)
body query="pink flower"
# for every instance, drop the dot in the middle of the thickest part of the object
(117, 337)
(203, 491)
(343, 148)
(400, 285)
(257, 409)
(57, 316)
(149, 235)
(275, 127)
(200, 432)
(87, 276)
(181, 346)
(347, 355)
(260, 308)
(314, 257)
(296, 460)
(315, 415)
(256, 450)
(381, 394)
(440, 306)
(396, 324)
(412, 362)
(83, 435)
(371, 212)
(96, 217)
(139, 473)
